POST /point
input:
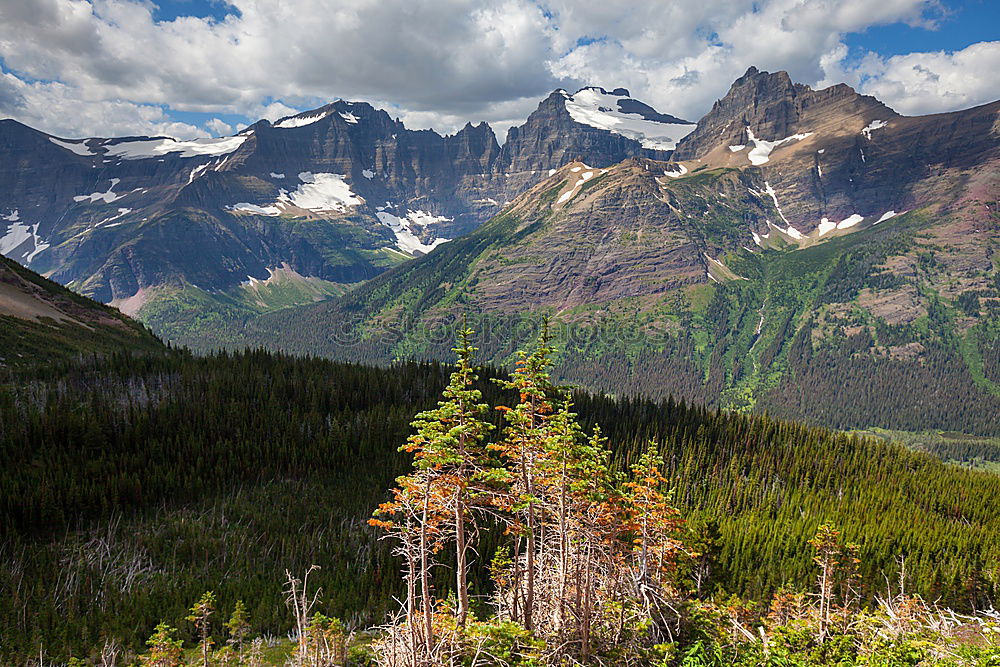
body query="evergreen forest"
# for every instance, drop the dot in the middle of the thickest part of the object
(134, 483)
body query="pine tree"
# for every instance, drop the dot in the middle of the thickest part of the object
(448, 445)
(238, 626)
(656, 524)
(434, 503)
(164, 649)
(200, 615)
(826, 548)
(523, 446)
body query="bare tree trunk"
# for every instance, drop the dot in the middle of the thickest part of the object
(425, 585)
(301, 605)
(461, 583)
(587, 604)
(516, 596)
(411, 598)
(529, 593)
(563, 552)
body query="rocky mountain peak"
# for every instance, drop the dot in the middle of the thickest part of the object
(773, 107)
(606, 126)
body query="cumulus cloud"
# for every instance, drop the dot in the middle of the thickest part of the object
(272, 111)
(60, 110)
(439, 63)
(930, 82)
(218, 127)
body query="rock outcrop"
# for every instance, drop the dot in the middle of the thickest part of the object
(332, 192)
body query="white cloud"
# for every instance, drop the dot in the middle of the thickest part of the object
(681, 59)
(61, 110)
(930, 82)
(218, 127)
(272, 111)
(441, 62)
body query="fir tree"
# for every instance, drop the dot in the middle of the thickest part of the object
(200, 615)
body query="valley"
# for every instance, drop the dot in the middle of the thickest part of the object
(757, 260)
(623, 388)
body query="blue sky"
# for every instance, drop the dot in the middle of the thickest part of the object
(168, 10)
(197, 67)
(961, 23)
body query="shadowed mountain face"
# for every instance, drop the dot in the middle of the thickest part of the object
(808, 252)
(769, 257)
(327, 199)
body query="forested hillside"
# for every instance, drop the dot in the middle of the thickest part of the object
(42, 320)
(793, 331)
(133, 484)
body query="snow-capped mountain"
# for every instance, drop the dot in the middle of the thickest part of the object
(809, 252)
(620, 114)
(337, 194)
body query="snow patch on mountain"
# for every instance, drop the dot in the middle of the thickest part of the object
(368, 173)
(826, 225)
(274, 175)
(301, 120)
(794, 233)
(581, 179)
(597, 108)
(196, 172)
(871, 127)
(17, 238)
(319, 192)
(349, 117)
(681, 170)
(761, 152)
(769, 191)
(850, 221)
(107, 197)
(886, 216)
(78, 147)
(402, 228)
(122, 212)
(247, 207)
(141, 149)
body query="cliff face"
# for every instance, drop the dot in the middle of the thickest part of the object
(831, 156)
(808, 251)
(342, 193)
(339, 193)
(593, 125)
(773, 108)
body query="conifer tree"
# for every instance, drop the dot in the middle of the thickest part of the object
(434, 503)
(656, 524)
(238, 626)
(200, 615)
(523, 446)
(448, 444)
(826, 547)
(164, 649)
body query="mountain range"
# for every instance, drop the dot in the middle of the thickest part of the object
(812, 253)
(313, 202)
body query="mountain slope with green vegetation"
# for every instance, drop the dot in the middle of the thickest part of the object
(798, 241)
(133, 484)
(42, 321)
(654, 288)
